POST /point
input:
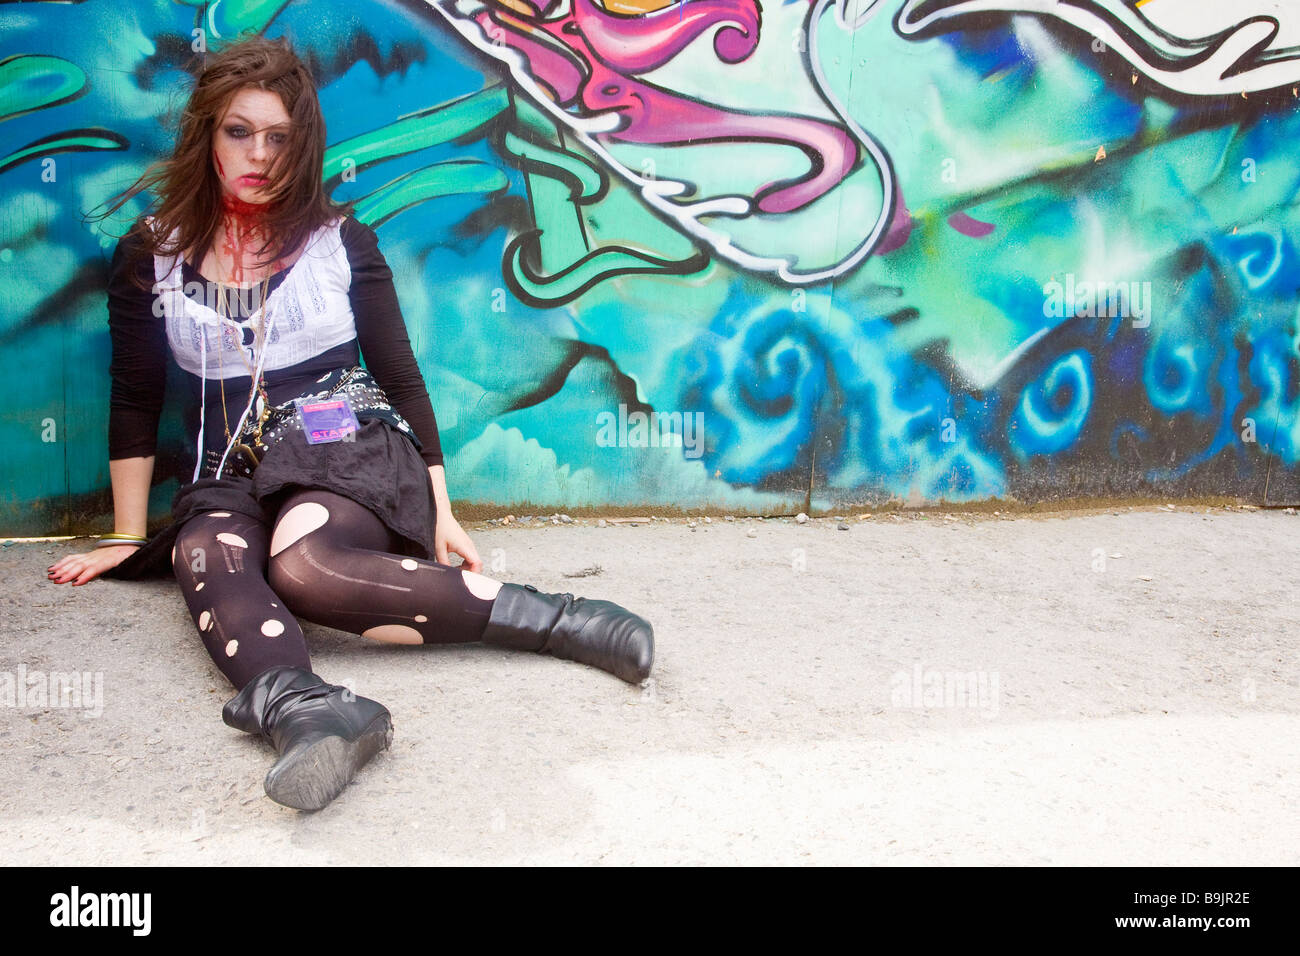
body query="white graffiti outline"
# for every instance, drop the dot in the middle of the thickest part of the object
(1236, 60)
(655, 192)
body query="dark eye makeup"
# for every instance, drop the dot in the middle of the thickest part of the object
(241, 132)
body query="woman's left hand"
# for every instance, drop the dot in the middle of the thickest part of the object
(450, 538)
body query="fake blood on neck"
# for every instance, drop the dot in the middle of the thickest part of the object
(245, 233)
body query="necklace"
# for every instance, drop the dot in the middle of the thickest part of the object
(258, 380)
(242, 222)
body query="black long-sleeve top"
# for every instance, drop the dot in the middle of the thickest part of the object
(140, 354)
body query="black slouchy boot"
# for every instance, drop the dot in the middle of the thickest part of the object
(323, 733)
(599, 633)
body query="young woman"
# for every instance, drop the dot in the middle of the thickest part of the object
(318, 487)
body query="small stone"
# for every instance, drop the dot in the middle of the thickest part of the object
(842, 527)
(801, 518)
(565, 519)
(707, 519)
(690, 524)
(731, 517)
(601, 523)
(751, 533)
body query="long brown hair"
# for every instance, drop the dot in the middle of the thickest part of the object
(187, 192)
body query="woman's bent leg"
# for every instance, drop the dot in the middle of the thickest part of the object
(331, 561)
(220, 562)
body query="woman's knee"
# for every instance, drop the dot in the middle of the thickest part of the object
(234, 537)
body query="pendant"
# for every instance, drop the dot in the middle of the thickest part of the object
(241, 447)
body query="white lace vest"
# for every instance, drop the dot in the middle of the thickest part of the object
(307, 313)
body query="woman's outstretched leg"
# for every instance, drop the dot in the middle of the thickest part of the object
(331, 560)
(220, 563)
(332, 563)
(323, 733)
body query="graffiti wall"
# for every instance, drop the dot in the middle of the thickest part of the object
(729, 253)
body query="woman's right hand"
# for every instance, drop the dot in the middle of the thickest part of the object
(84, 568)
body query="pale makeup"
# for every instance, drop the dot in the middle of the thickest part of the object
(246, 141)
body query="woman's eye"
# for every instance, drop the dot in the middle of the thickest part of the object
(279, 139)
(236, 131)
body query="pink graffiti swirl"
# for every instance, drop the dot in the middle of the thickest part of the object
(587, 58)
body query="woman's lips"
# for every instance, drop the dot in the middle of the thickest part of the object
(253, 180)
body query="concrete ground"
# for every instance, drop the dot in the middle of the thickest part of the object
(1105, 688)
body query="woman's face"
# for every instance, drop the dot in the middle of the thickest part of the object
(247, 139)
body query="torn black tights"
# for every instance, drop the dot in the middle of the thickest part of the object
(329, 561)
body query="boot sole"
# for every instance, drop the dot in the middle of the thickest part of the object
(314, 772)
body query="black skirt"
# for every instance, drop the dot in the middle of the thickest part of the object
(381, 470)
